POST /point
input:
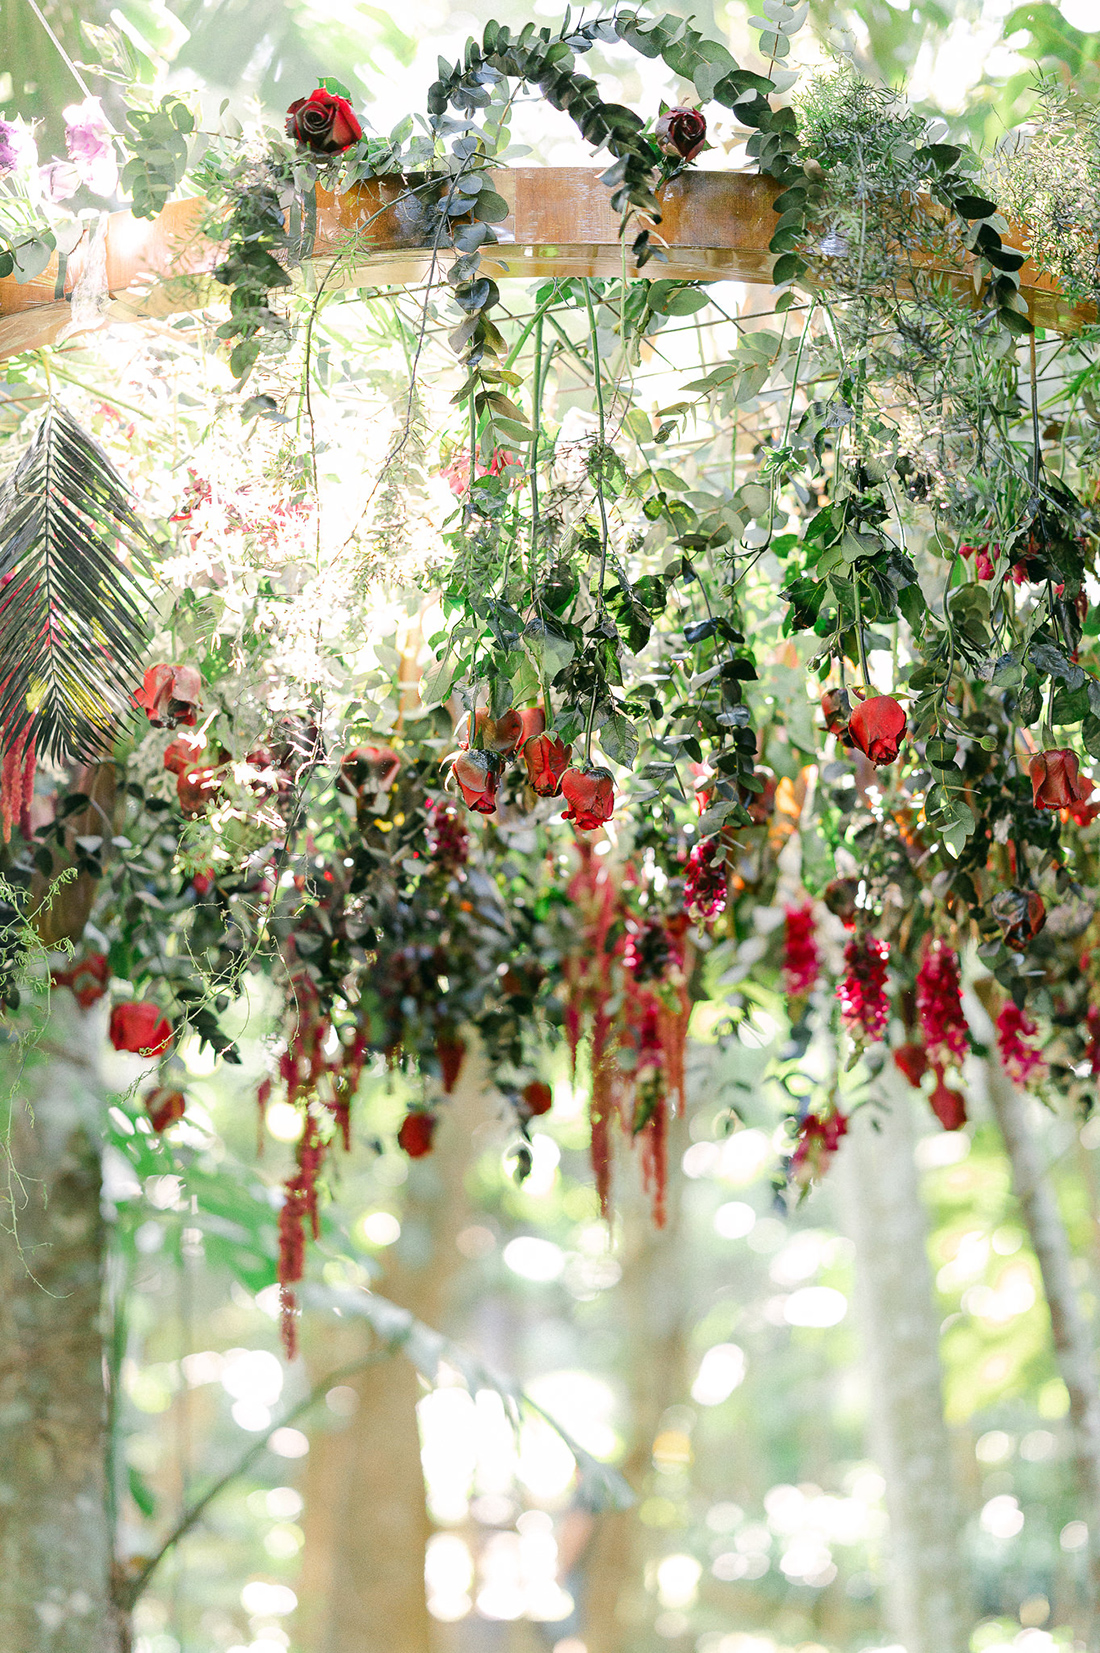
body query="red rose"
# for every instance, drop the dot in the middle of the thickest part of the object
(1021, 915)
(948, 1106)
(368, 767)
(912, 1060)
(170, 695)
(533, 721)
(87, 978)
(876, 726)
(183, 752)
(140, 1027)
(547, 759)
(983, 566)
(837, 709)
(323, 123)
(681, 132)
(476, 774)
(538, 1098)
(415, 1135)
(164, 1107)
(1055, 783)
(590, 792)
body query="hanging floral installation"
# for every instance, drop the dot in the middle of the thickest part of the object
(814, 638)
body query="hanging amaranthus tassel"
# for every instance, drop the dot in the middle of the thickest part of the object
(17, 788)
(862, 993)
(800, 957)
(299, 1204)
(939, 1005)
(1021, 1060)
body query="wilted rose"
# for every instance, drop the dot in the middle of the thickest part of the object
(681, 132)
(590, 792)
(877, 726)
(546, 759)
(1021, 914)
(323, 122)
(140, 1026)
(1055, 783)
(949, 1106)
(476, 773)
(171, 695)
(368, 768)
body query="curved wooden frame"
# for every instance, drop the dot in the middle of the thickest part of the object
(715, 227)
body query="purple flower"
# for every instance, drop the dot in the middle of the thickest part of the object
(87, 138)
(17, 147)
(58, 180)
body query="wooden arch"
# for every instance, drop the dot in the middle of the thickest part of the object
(715, 225)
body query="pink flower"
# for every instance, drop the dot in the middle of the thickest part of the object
(800, 960)
(862, 993)
(87, 138)
(17, 148)
(1021, 1061)
(939, 1005)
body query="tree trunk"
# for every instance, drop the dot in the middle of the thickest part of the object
(362, 1581)
(657, 1313)
(55, 1540)
(1073, 1345)
(928, 1609)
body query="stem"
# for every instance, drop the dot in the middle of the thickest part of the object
(588, 728)
(1036, 451)
(860, 639)
(601, 427)
(536, 410)
(65, 58)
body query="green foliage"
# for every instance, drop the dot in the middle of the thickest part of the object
(159, 154)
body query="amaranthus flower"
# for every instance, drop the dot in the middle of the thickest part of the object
(862, 993)
(818, 1140)
(939, 1005)
(1021, 1061)
(706, 884)
(800, 957)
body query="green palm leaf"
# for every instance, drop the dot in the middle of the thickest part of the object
(72, 622)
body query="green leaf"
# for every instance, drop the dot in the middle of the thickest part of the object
(619, 739)
(72, 619)
(437, 680)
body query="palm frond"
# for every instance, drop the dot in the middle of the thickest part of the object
(72, 623)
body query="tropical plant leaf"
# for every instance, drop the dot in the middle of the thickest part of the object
(72, 625)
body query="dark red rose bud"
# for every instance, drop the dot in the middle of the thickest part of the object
(912, 1060)
(538, 1098)
(140, 1027)
(877, 725)
(681, 132)
(1020, 914)
(948, 1106)
(368, 768)
(546, 759)
(837, 709)
(450, 1052)
(1055, 783)
(415, 1135)
(164, 1107)
(87, 979)
(197, 789)
(170, 695)
(476, 773)
(590, 792)
(840, 898)
(323, 123)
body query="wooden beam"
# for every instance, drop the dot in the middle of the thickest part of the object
(715, 226)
